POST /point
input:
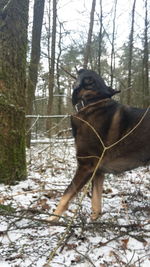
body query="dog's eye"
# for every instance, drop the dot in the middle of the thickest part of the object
(88, 80)
(89, 95)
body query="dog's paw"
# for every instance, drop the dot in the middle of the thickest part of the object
(53, 218)
(95, 216)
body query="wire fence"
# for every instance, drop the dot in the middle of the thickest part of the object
(60, 127)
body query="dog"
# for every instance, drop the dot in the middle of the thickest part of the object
(109, 138)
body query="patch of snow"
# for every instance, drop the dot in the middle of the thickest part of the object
(121, 237)
(4, 264)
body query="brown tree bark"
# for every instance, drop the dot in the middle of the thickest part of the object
(51, 58)
(100, 38)
(13, 47)
(146, 88)
(34, 61)
(59, 91)
(130, 54)
(112, 63)
(88, 44)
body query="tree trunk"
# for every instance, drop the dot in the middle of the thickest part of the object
(100, 38)
(112, 64)
(145, 61)
(13, 46)
(52, 67)
(58, 70)
(88, 45)
(130, 55)
(34, 61)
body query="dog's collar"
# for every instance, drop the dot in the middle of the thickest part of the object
(82, 104)
(79, 105)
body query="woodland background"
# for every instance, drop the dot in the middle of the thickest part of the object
(107, 36)
(42, 43)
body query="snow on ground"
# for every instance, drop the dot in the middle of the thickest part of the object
(121, 237)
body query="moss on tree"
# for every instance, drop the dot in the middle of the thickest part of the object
(12, 144)
(13, 47)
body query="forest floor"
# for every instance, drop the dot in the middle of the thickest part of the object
(121, 237)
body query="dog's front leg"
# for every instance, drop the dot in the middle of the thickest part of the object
(97, 190)
(81, 177)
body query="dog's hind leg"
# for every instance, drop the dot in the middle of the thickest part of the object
(97, 190)
(82, 175)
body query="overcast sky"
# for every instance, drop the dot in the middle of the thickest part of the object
(76, 14)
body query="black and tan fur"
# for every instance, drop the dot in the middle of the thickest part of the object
(111, 121)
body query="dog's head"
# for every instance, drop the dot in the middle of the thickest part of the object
(89, 86)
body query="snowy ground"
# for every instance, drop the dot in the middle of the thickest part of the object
(121, 237)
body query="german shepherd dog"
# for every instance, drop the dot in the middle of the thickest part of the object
(109, 138)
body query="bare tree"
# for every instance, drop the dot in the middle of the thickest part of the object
(51, 58)
(131, 53)
(100, 38)
(112, 64)
(58, 68)
(34, 61)
(13, 47)
(88, 44)
(146, 60)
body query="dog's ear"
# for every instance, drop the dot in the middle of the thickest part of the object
(112, 92)
(79, 80)
(90, 80)
(75, 96)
